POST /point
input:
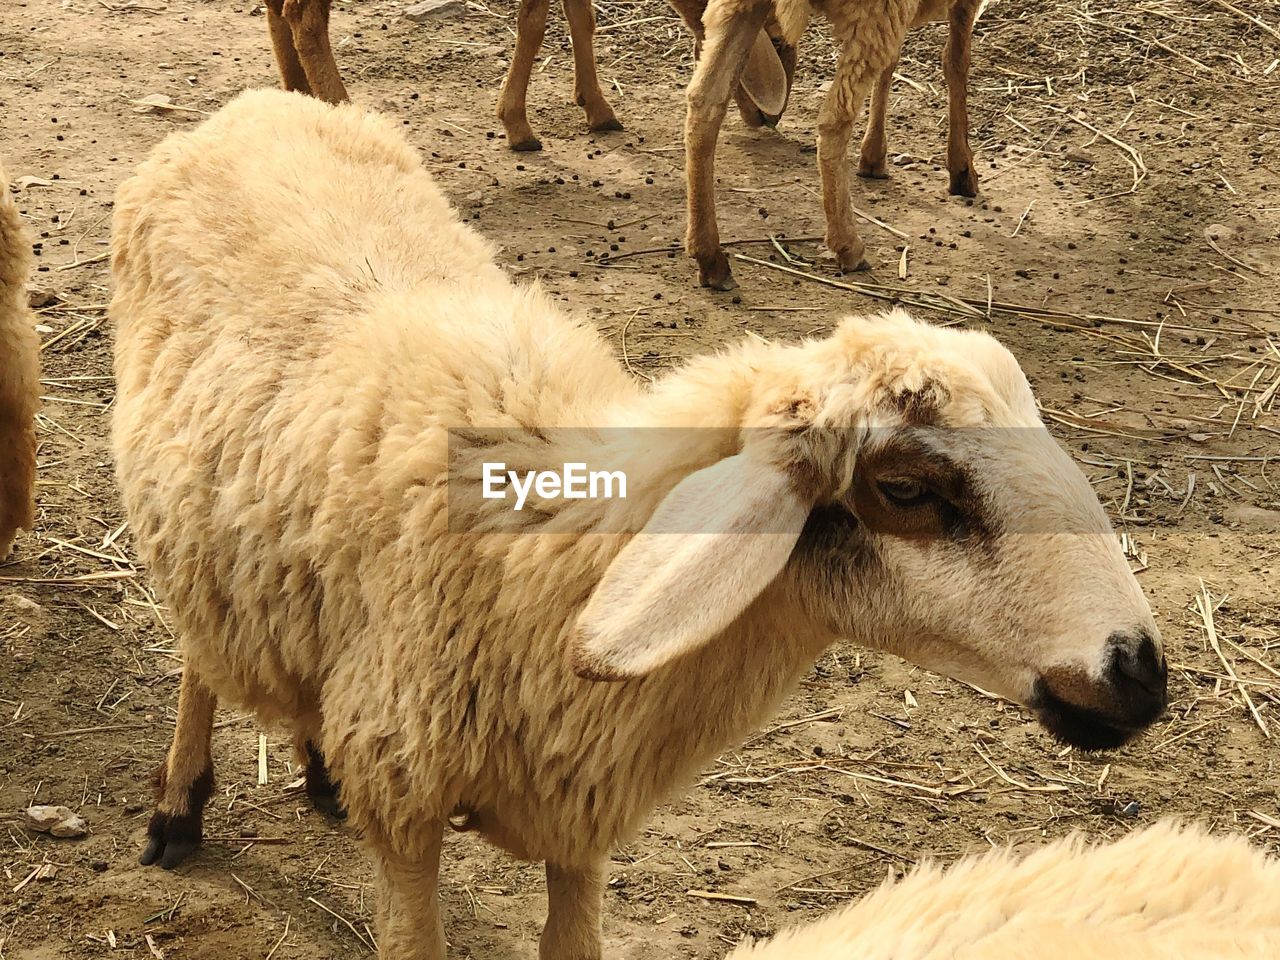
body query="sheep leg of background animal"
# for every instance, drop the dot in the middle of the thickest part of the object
(573, 914)
(848, 91)
(955, 66)
(531, 25)
(292, 75)
(409, 925)
(309, 22)
(586, 85)
(184, 782)
(728, 42)
(691, 13)
(875, 145)
(19, 375)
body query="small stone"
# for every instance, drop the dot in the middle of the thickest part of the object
(428, 10)
(1076, 155)
(98, 866)
(38, 297)
(133, 808)
(56, 820)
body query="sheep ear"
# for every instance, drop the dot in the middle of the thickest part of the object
(764, 78)
(714, 543)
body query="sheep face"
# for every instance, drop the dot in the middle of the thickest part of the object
(983, 553)
(896, 481)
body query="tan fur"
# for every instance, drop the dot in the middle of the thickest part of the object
(300, 318)
(19, 376)
(870, 33)
(1166, 891)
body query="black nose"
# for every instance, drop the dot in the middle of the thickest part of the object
(1139, 675)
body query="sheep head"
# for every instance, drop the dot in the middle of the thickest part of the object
(896, 480)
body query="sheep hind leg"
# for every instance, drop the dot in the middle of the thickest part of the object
(309, 23)
(955, 66)
(724, 55)
(184, 783)
(873, 162)
(513, 111)
(321, 788)
(409, 925)
(572, 931)
(586, 84)
(292, 75)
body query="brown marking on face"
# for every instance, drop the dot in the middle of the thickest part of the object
(949, 506)
(920, 406)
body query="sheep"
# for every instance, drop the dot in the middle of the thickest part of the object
(961, 15)
(1167, 890)
(19, 376)
(871, 35)
(310, 384)
(300, 37)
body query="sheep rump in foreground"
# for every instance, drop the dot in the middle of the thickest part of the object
(19, 376)
(300, 320)
(1163, 892)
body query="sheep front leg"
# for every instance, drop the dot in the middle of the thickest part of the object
(573, 914)
(531, 26)
(409, 926)
(309, 22)
(729, 37)
(955, 67)
(875, 144)
(292, 75)
(184, 782)
(586, 85)
(835, 124)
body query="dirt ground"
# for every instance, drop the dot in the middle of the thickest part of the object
(1126, 247)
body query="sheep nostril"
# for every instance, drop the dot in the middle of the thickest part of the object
(1138, 662)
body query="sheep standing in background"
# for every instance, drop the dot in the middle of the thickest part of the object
(300, 37)
(871, 35)
(961, 15)
(19, 376)
(309, 385)
(1163, 892)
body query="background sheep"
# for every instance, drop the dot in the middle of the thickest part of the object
(871, 36)
(19, 376)
(1163, 891)
(291, 353)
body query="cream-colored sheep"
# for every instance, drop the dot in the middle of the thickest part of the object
(871, 35)
(314, 359)
(19, 376)
(1166, 892)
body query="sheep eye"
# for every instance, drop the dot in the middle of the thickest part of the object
(904, 492)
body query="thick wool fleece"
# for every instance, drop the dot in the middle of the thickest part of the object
(1166, 891)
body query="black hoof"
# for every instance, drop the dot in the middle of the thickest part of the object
(873, 173)
(170, 841)
(171, 838)
(321, 789)
(607, 126)
(527, 146)
(964, 183)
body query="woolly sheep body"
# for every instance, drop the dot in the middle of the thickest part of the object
(19, 375)
(300, 320)
(1162, 891)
